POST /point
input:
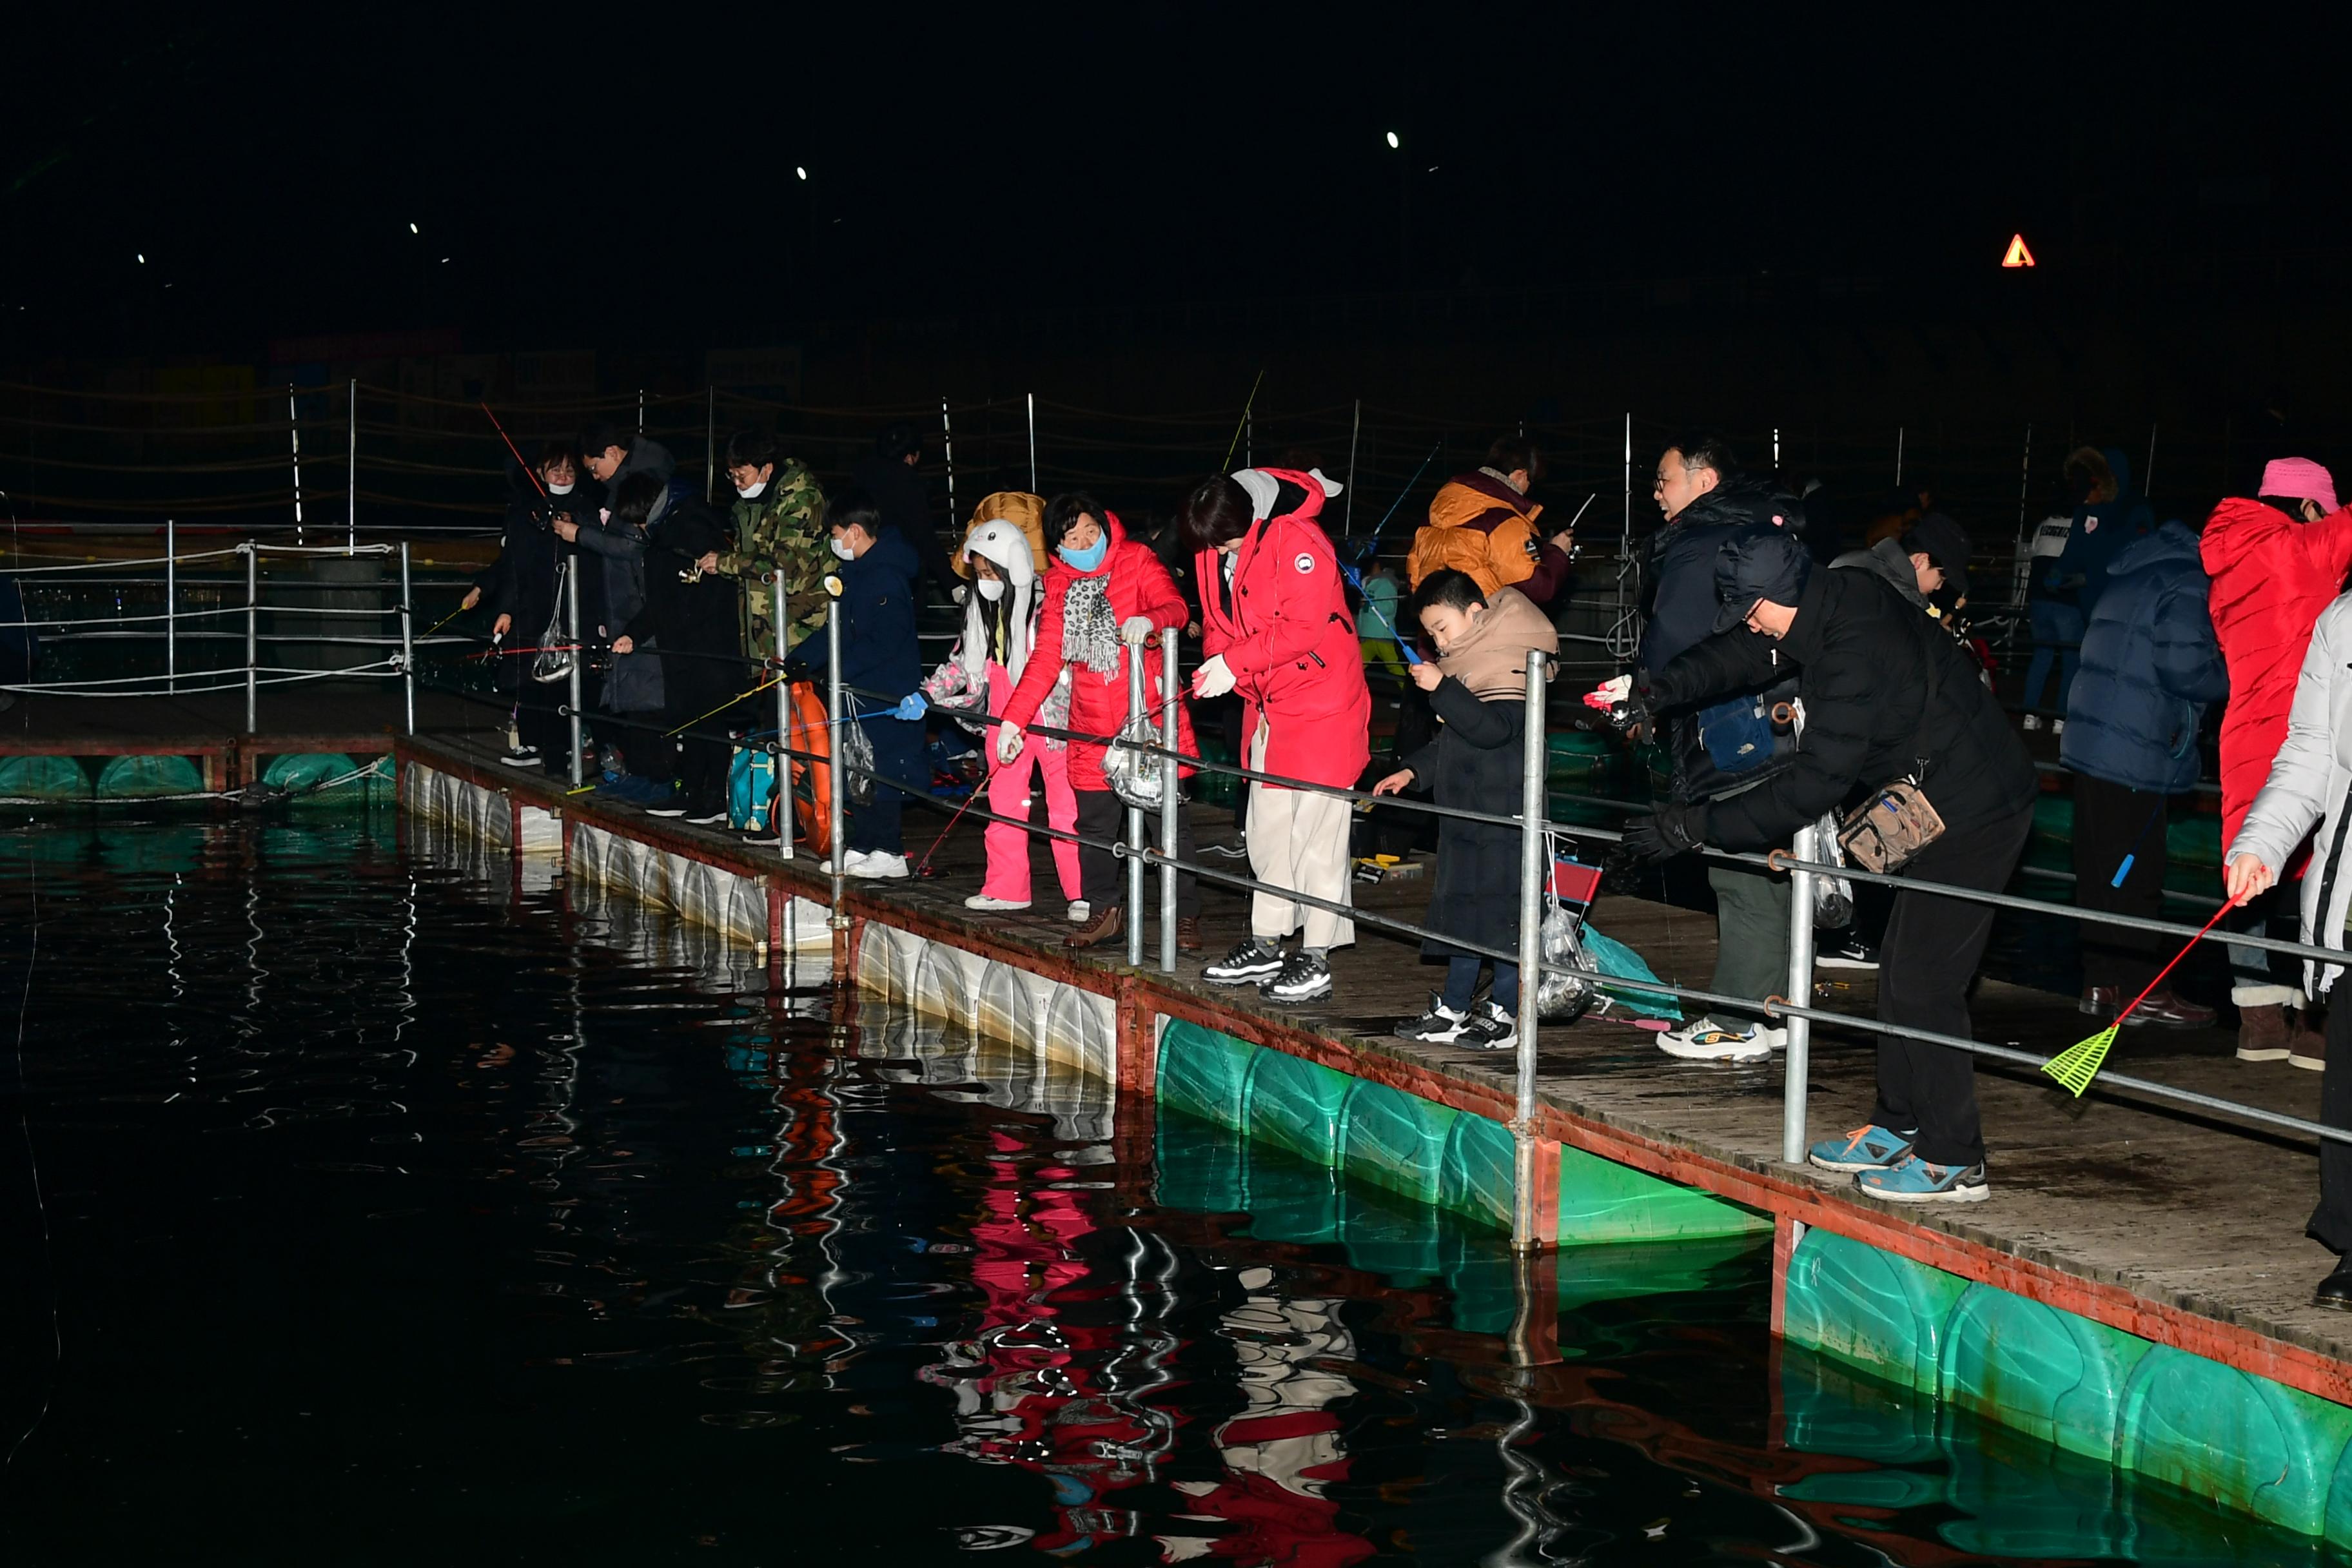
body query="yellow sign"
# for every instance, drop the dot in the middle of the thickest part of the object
(2017, 255)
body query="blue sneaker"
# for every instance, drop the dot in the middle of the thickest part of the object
(1914, 1180)
(1869, 1147)
(635, 789)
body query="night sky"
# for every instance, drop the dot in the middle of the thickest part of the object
(629, 179)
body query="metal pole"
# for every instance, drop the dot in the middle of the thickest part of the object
(641, 411)
(1168, 783)
(170, 605)
(837, 852)
(352, 470)
(408, 645)
(252, 627)
(1135, 840)
(579, 652)
(1801, 992)
(1032, 398)
(783, 808)
(946, 441)
(1898, 455)
(1531, 889)
(294, 433)
(2148, 479)
(1355, 428)
(710, 440)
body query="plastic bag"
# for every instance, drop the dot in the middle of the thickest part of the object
(1833, 896)
(1134, 774)
(1562, 999)
(853, 754)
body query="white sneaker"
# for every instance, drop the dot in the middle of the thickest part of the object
(2057, 726)
(982, 902)
(878, 864)
(1080, 912)
(2033, 722)
(850, 861)
(1707, 1041)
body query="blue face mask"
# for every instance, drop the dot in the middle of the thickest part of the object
(1089, 558)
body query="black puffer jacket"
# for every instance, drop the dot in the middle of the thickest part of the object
(1474, 763)
(693, 624)
(1863, 660)
(521, 583)
(1682, 602)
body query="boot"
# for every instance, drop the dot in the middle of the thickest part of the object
(1188, 933)
(2335, 1290)
(2308, 1048)
(2262, 1034)
(1101, 927)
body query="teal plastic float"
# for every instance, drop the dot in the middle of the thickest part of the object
(43, 778)
(145, 778)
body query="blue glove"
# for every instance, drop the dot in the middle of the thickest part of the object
(910, 706)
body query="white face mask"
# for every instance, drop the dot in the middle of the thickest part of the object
(842, 549)
(563, 489)
(752, 492)
(991, 588)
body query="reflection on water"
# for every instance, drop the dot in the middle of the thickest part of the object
(399, 1205)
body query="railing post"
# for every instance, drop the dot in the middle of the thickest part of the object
(1135, 840)
(782, 809)
(1804, 846)
(352, 471)
(1168, 783)
(408, 645)
(838, 852)
(571, 676)
(252, 627)
(170, 605)
(1532, 857)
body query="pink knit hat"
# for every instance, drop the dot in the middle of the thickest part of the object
(2299, 478)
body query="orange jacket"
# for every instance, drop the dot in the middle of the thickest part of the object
(1482, 526)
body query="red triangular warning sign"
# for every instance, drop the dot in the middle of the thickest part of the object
(2017, 255)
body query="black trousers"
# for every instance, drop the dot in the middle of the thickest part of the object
(1926, 965)
(1102, 876)
(2331, 1222)
(2111, 822)
(541, 724)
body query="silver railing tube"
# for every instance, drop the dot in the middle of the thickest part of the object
(1136, 842)
(572, 677)
(1531, 888)
(1168, 783)
(170, 605)
(781, 809)
(407, 645)
(252, 630)
(1799, 991)
(837, 853)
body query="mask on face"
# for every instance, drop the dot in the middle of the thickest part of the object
(1089, 558)
(563, 489)
(842, 549)
(751, 491)
(991, 588)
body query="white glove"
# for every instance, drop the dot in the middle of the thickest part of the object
(1136, 630)
(1213, 679)
(959, 593)
(1008, 744)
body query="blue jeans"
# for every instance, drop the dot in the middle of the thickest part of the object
(1461, 982)
(2057, 637)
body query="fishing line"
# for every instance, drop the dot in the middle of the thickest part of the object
(1243, 424)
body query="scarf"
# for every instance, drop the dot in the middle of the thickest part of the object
(1089, 631)
(1491, 657)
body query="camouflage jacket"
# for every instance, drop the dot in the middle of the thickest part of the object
(779, 530)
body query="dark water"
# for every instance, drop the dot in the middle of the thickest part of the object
(393, 1210)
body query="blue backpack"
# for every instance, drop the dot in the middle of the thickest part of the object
(751, 789)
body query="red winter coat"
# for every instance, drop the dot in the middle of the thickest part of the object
(1140, 585)
(1283, 628)
(2272, 576)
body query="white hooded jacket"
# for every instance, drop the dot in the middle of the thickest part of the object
(1007, 549)
(2309, 782)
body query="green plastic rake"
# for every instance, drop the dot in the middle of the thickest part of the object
(2078, 1064)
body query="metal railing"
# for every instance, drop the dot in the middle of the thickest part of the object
(1138, 850)
(177, 627)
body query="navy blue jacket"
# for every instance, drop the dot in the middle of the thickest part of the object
(1682, 561)
(2102, 530)
(2150, 664)
(879, 652)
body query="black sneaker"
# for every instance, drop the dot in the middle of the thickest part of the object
(524, 757)
(1441, 1026)
(1237, 850)
(1249, 960)
(1489, 1028)
(1305, 978)
(1851, 953)
(706, 818)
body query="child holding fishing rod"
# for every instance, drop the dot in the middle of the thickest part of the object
(523, 589)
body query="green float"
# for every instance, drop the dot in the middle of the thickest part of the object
(43, 778)
(149, 778)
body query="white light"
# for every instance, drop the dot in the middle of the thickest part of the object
(800, 171)
(412, 228)
(444, 262)
(143, 258)
(1392, 139)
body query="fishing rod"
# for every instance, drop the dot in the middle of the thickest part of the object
(1408, 489)
(923, 869)
(1356, 581)
(1243, 424)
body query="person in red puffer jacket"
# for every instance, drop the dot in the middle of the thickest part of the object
(1274, 627)
(1107, 599)
(2275, 563)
